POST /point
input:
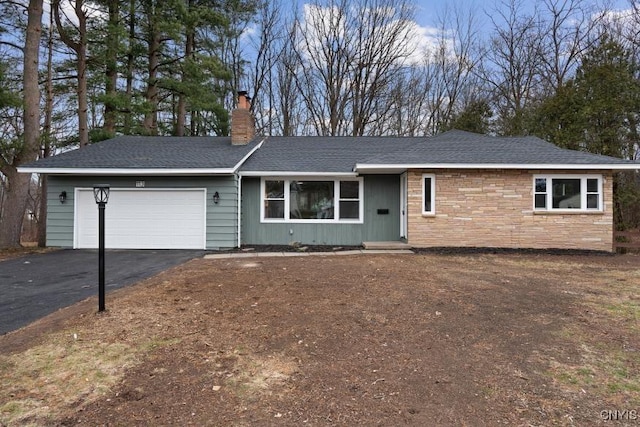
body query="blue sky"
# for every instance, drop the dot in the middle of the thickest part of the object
(427, 11)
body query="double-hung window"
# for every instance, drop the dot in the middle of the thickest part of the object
(311, 200)
(568, 193)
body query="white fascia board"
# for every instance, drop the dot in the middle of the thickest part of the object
(604, 166)
(109, 171)
(297, 174)
(249, 154)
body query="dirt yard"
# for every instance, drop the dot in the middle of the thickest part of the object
(424, 340)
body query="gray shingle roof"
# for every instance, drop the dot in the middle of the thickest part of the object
(342, 154)
(152, 152)
(321, 154)
(458, 147)
(317, 154)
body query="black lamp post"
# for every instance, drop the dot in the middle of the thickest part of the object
(101, 194)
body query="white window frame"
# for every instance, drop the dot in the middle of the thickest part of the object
(336, 200)
(583, 193)
(433, 194)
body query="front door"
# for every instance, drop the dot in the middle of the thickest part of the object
(381, 208)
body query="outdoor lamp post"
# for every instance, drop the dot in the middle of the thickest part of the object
(101, 194)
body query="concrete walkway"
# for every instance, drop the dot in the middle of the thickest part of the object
(298, 254)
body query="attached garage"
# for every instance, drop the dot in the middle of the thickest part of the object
(143, 219)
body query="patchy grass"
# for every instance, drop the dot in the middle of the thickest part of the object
(26, 249)
(607, 338)
(59, 373)
(67, 370)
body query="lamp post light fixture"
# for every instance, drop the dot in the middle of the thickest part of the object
(101, 195)
(63, 197)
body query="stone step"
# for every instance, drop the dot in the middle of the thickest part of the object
(385, 246)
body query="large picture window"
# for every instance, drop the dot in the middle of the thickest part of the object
(568, 193)
(311, 200)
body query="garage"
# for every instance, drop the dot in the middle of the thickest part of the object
(143, 219)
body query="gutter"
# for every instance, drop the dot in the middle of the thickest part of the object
(124, 171)
(239, 186)
(391, 167)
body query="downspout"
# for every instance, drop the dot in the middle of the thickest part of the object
(239, 208)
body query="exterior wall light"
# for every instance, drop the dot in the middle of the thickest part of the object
(216, 197)
(63, 197)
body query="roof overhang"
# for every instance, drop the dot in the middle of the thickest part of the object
(127, 171)
(398, 168)
(296, 174)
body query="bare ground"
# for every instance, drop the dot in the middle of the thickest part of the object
(466, 340)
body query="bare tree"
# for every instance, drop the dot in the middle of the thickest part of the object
(564, 36)
(409, 112)
(268, 45)
(292, 114)
(347, 57)
(449, 68)
(512, 64)
(323, 58)
(383, 42)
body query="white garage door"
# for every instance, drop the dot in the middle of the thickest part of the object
(143, 219)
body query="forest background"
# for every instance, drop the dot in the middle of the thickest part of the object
(75, 72)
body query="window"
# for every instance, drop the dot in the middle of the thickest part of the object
(349, 200)
(312, 200)
(274, 199)
(567, 193)
(428, 194)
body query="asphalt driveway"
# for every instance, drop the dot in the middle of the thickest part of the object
(35, 285)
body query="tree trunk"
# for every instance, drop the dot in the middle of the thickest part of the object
(182, 98)
(80, 48)
(111, 68)
(46, 149)
(151, 118)
(14, 208)
(18, 187)
(83, 106)
(42, 213)
(128, 118)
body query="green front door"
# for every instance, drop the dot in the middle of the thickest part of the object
(381, 208)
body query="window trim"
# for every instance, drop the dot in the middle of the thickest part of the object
(431, 212)
(336, 199)
(583, 193)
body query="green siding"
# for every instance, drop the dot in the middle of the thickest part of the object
(221, 218)
(59, 215)
(380, 192)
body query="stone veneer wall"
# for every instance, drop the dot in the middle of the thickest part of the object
(479, 208)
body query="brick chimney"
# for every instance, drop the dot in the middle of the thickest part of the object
(242, 124)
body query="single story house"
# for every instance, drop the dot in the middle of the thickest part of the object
(456, 189)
